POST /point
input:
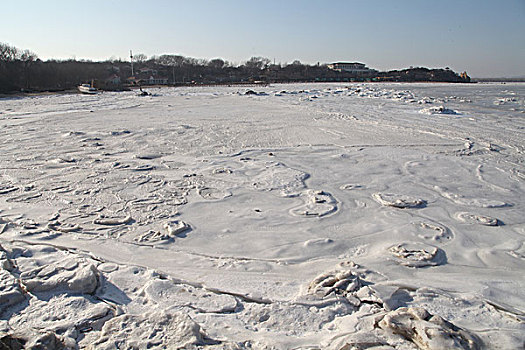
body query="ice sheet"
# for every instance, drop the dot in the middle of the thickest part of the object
(303, 216)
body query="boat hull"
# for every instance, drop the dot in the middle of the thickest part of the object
(87, 90)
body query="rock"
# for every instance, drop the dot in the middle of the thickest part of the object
(10, 342)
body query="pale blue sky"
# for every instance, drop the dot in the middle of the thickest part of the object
(485, 38)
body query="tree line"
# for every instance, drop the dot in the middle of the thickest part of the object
(22, 70)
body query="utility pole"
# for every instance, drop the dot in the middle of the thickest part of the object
(131, 58)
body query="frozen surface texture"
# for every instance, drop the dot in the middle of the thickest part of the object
(358, 216)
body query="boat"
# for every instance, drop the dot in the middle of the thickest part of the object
(87, 88)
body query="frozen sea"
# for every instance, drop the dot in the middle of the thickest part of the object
(297, 216)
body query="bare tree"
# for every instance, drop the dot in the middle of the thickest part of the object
(8, 53)
(170, 60)
(28, 56)
(140, 58)
(257, 63)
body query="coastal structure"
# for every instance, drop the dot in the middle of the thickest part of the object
(351, 67)
(145, 80)
(155, 81)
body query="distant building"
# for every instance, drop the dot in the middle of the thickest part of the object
(147, 81)
(154, 81)
(351, 67)
(148, 71)
(113, 80)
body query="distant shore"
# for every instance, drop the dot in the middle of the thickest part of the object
(498, 80)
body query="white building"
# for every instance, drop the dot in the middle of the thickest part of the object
(351, 67)
(155, 81)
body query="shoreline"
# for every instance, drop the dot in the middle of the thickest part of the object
(20, 94)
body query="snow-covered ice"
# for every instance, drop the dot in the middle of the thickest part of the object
(305, 216)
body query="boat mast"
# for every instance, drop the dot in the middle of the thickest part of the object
(131, 58)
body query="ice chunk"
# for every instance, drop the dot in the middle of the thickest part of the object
(74, 275)
(417, 255)
(398, 200)
(155, 329)
(437, 110)
(427, 331)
